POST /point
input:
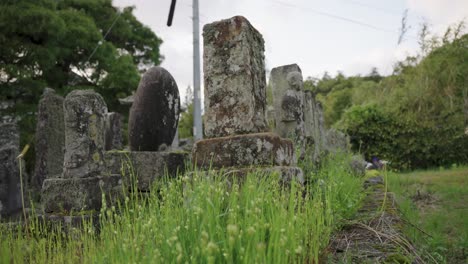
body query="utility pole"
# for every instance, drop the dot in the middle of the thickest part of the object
(197, 118)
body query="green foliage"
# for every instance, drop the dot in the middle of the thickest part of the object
(67, 45)
(186, 116)
(415, 117)
(432, 201)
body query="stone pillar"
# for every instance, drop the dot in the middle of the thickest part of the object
(113, 132)
(234, 75)
(288, 101)
(10, 188)
(315, 132)
(82, 183)
(235, 104)
(50, 139)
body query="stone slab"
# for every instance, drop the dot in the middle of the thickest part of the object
(148, 166)
(79, 194)
(285, 174)
(234, 77)
(244, 150)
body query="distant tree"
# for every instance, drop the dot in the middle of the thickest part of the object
(186, 116)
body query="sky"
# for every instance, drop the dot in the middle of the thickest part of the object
(350, 36)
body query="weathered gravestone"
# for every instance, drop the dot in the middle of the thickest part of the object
(235, 104)
(50, 139)
(113, 132)
(82, 182)
(10, 189)
(288, 102)
(154, 114)
(315, 132)
(234, 70)
(337, 141)
(153, 123)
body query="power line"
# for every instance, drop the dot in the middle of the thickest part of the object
(105, 35)
(326, 14)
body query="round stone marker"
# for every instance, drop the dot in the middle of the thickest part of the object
(154, 114)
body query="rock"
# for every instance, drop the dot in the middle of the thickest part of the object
(288, 101)
(154, 114)
(85, 118)
(82, 184)
(10, 188)
(146, 166)
(243, 150)
(337, 141)
(234, 75)
(113, 133)
(358, 165)
(50, 138)
(314, 126)
(77, 194)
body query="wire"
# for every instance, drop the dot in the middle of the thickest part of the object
(104, 38)
(335, 17)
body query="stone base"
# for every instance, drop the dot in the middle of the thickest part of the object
(147, 166)
(79, 194)
(285, 174)
(264, 149)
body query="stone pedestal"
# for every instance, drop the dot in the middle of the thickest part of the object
(83, 182)
(146, 166)
(235, 105)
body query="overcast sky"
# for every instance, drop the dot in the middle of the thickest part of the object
(350, 36)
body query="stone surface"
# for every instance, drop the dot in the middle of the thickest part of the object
(50, 138)
(76, 194)
(337, 141)
(234, 77)
(288, 101)
(154, 114)
(358, 165)
(10, 189)
(85, 112)
(148, 166)
(285, 174)
(314, 126)
(113, 133)
(243, 150)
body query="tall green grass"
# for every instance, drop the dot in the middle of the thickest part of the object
(434, 203)
(199, 219)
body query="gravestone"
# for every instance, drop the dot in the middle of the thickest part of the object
(113, 132)
(10, 188)
(82, 183)
(337, 141)
(234, 76)
(235, 105)
(288, 101)
(154, 114)
(315, 132)
(50, 138)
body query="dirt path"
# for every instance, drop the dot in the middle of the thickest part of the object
(375, 234)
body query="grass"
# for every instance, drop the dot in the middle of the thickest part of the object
(200, 219)
(435, 203)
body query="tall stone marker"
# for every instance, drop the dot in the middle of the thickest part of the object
(234, 75)
(235, 104)
(288, 101)
(50, 139)
(82, 183)
(154, 114)
(113, 133)
(10, 189)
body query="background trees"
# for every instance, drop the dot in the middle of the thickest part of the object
(417, 116)
(66, 45)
